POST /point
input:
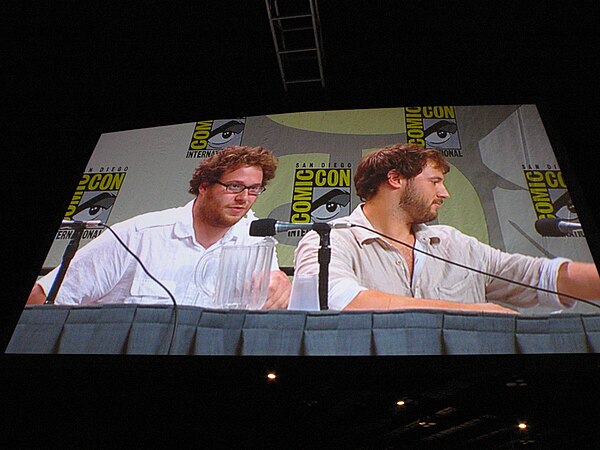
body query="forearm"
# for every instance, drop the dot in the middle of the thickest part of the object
(37, 296)
(579, 280)
(376, 300)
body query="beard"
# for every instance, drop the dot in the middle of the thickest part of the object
(214, 213)
(416, 206)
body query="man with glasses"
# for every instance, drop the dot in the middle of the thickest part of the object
(178, 246)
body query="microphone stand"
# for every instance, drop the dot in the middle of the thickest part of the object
(67, 257)
(324, 257)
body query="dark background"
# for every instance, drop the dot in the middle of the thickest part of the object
(76, 70)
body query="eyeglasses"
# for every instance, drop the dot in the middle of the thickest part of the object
(236, 188)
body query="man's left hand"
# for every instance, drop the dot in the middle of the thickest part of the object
(279, 291)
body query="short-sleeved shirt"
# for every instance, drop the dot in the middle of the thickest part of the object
(104, 272)
(362, 260)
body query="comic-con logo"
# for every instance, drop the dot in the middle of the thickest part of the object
(93, 199)
(549, 195)
(211, 136)
(320, 195)
(433, 127)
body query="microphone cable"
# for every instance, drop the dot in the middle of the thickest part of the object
(172, 339)
(549, 291)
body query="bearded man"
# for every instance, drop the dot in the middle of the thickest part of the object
(403, 187)
(179, 246)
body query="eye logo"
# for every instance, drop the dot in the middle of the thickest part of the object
(320, 195)
(434, 127)
(209, 136)
(330, 205)
(94, 199)
(564, 208)
(230, 133)
(549, 194)
(439, 133)
(95, 208)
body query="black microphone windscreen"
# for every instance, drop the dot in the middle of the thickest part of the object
(548, 227)
(263, 227)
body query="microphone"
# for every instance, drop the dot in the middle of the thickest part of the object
(80, 224)
(270, 227)
(556, 227)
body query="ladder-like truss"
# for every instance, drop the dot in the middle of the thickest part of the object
(296, 33)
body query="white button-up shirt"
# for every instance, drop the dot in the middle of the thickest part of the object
(362, 260)
(104, 272)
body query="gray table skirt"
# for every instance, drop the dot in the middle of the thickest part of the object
(147, 330)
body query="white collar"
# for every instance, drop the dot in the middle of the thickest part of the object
(184, 225)
(423, 233)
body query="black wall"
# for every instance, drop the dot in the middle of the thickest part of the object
(78, 70)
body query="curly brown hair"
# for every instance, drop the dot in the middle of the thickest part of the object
(408, 160)
(232, 158)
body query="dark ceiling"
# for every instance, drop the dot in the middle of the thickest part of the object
(79, 69)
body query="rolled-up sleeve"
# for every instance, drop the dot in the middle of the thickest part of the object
(537, 278)
(343, 281)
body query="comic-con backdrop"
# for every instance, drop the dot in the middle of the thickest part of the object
(504, 175)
